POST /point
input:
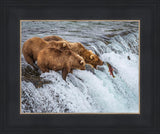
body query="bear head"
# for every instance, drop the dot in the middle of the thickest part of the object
(76, 60)
(93, 59)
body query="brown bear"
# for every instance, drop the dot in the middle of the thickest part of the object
(31, 48)
(88, 55)
(54, 59)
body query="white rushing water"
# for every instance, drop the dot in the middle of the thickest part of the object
(88, 91)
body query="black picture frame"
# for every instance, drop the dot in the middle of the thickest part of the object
(11, 12)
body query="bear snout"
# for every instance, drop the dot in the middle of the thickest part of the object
(100, 62)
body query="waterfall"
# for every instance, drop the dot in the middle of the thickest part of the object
(90, 90)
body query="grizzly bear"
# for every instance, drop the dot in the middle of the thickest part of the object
(88, 55)
(31, 48)
(54, 59)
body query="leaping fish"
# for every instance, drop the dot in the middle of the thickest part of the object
(110, 69)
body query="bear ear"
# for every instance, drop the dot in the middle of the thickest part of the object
(92, 57)
(64, 44)
(90, 51)
(82, 62)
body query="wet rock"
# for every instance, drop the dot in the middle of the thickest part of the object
(66, 110)
(89, 68)
(111, 35)
(101, 68)
(57, 95)
(33, 76)
(107, 42)
(128, 58)
(124, 33)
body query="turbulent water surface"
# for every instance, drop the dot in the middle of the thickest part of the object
(90, 90)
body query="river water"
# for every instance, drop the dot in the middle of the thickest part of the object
(85, 91)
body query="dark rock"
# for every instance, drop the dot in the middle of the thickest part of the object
(66, 110)
(33, 76)
(128, 58)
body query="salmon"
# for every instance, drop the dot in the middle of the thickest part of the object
(110, 69)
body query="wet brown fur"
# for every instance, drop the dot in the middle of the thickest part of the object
(31, 48)
(62, 45)
(79, 49)
(51, 38)
(54, 59)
